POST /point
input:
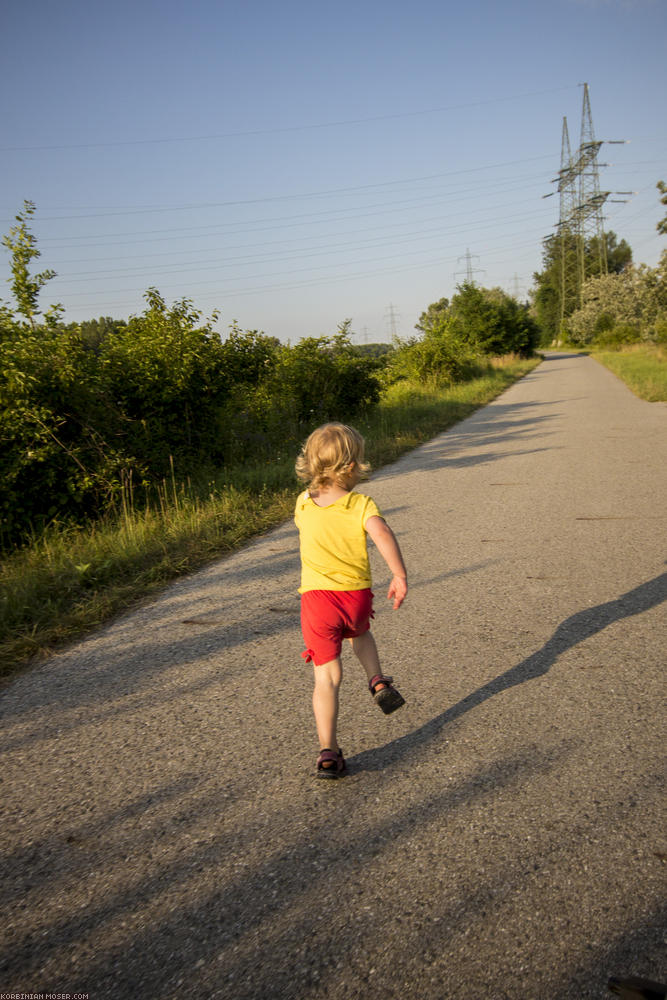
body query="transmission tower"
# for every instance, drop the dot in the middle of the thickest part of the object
(568, 229)
(581, 218)
(470, 271)
(392, 318)
(591, 199)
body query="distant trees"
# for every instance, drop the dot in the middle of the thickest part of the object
(456, 336)
(492, 322)
(548, 289)
(95, 331)
(376, 350)
(626, 307)
(618, 305)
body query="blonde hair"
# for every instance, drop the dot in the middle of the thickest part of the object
(332, 455)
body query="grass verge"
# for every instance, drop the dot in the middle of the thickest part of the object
(71, 580)
(643, 368)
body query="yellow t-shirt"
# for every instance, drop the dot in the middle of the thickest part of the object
(333, 542)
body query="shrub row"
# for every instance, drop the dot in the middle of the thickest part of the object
(82, 417)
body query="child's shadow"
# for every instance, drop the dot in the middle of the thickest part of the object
(569, 633)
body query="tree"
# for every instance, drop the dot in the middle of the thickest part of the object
(617, 252)
(379, 350)
(549, 286)
(624, 307)
(493, 322)
(249, 357)
(662, 225)
(59, 454)
(440, 357)
(325, 378)
(556, 291)
(163, 373)
(432, 316)
(22, 245)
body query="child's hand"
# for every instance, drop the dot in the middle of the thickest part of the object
(398, 589)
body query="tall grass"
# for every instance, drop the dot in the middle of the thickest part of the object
(643, 367)
(71, 579)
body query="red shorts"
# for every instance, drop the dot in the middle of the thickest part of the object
(329, 616)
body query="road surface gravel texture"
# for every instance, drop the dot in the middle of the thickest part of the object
(500, 837)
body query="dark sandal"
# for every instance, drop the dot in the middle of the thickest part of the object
(388, 698)
(337, 767)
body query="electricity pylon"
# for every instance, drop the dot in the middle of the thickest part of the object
(568, 230)
(591, 199)
(470, 271)
(392, 319)
(581, 218)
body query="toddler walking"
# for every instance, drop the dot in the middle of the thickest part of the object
(336, 599)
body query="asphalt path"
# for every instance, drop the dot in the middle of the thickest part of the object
(501, 837)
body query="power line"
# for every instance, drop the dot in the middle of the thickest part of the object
(283, 129)
(327, 247)
(280, 222)
(285, 197)
(328, 279)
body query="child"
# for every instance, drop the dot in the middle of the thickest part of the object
(336, 600)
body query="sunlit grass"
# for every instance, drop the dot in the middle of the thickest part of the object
(71, 579)
(643, 367)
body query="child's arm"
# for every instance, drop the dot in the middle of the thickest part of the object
(388, 548)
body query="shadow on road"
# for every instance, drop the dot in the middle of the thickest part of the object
(574, 630)
(243, 915)
(493, 427)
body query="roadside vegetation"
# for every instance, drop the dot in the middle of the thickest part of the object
(133, 451)
(69, 579)
(643, 368)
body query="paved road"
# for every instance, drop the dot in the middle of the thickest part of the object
(499, 838)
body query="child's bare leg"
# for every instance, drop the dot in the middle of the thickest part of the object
(328, 677)
(386, 696)
(366, 652)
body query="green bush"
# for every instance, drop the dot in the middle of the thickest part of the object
(325, 378)
(166, 376)
(485, 321)
(604, 324)
(57, 452)
(87, 410)
(493, 322)
(615, 337)
(82, 416)
(439, 358)
(292, 390)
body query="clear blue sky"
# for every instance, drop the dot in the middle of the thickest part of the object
(293, 164)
